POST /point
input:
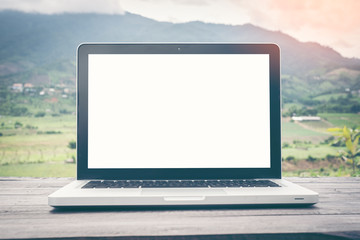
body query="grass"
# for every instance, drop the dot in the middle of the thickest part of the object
(39, 170)
(316, 151)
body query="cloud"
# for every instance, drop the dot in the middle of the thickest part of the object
(333, 23)
(343, 44)
(61, 6)
(337, 15)
(329, 22)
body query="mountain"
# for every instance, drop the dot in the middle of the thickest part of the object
(34, 47)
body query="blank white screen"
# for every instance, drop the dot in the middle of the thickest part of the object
(178, 111)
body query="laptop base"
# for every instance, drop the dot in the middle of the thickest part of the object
(289, 193)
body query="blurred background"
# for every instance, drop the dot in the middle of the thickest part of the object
(320, 50)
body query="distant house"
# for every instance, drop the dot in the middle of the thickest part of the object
(306, 118)
(29, 88)
(51, 91)
(28, 85)
(17, 87)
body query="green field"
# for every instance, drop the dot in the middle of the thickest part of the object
(316, 151)
(292, 131)
(45, 169)
(342, 119)
(306, 140)
(38, 147)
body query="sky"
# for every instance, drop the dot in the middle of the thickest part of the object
(333, 23)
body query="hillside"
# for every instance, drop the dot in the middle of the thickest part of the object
(41, 49)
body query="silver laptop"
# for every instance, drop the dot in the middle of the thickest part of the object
(179, 124)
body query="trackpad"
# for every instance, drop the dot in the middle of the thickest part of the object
(182, 192)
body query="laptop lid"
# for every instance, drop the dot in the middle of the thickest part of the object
(178, 111)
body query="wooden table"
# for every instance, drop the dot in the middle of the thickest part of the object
(24, 213)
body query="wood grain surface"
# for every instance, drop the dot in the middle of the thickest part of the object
(24, 213)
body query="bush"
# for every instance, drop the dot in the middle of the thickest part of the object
(329, 140)
(30, 127)
(311, 159)
(40, 114)
(64, 111)
(285, 145)
(330, 157)
(72, 145)
(338, 143)
(49, 132)
(304, 111)
(53, 132)
(290, 158)
(18, 124)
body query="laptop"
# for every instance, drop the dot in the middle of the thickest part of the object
(168, 124)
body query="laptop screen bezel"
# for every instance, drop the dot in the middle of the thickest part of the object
(83, 172)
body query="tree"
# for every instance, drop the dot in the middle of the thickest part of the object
(351, 138)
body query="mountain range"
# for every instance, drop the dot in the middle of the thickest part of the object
(33, 45)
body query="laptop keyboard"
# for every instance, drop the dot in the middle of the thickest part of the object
(238, 183)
